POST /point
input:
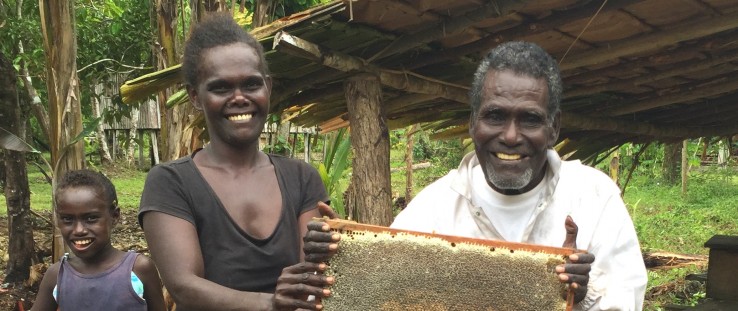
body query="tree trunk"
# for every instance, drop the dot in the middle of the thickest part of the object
(263, 12)
(102, 149)
(132, 141)
(60, 47)
(166, 14)
(370, 140)
(178, 137)
(672, 163)
(17, 192)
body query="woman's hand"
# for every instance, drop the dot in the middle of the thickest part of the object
(320, 244)
(299, 281)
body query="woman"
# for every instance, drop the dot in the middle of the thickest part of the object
(224, 225)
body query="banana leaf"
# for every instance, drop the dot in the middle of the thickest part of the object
(10, 141)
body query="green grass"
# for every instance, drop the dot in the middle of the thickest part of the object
(128, 184)
(667, 220)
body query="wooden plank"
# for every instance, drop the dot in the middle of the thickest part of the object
(550, 22)
(688, 96)
(449, 27)
(571, 120)
(676, 70)
(653, 41)
(400, 80)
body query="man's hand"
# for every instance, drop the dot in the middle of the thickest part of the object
(576, 271)
(299, 281)
(320, 244)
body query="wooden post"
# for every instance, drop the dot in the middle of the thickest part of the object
(154, 148)
(615, 166)
(114, 150)
(409, 163)
(370, 140)
(141, 162)
(685, 167)
(306, 137)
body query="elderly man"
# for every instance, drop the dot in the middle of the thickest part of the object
(516, 188)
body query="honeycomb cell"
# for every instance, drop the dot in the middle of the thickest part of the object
(395, 270)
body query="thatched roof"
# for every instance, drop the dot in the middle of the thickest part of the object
(634, 70)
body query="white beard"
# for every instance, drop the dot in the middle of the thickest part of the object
(515, 183)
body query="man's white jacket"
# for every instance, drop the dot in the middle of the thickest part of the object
(618, 277)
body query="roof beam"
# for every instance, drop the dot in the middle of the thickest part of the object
(652, 41)
(572, 120)
(713, 106)
(396, 105)
(553, 21)
(402, 5)
(450, 26)
(654, 60)
(401, 80)
(676, 70)
(694, 93)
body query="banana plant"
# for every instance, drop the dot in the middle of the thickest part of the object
(332, 169)
(10, 141)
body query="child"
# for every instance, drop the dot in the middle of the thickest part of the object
(98, 276)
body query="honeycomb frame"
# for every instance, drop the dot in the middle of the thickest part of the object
(385, 269)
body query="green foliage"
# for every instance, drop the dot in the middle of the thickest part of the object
(666, 220)
(112, 29)
(443, 155)
(333, 170)
(128, 184)
(282, 8)
(280, 145)
(27, 30)
(12, 142)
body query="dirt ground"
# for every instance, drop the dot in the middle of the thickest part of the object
(127, 236)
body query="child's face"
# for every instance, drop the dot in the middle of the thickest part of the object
(85, 220)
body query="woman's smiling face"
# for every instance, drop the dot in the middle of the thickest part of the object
(233, 94)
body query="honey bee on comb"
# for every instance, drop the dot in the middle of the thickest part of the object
(378, 268)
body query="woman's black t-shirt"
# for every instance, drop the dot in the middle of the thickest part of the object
(231, 257)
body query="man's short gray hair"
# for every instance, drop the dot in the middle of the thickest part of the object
(522, 58)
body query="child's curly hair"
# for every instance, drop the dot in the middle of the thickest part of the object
(91, 179)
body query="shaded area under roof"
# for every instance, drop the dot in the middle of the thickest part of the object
(643, 70)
